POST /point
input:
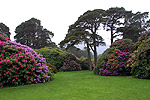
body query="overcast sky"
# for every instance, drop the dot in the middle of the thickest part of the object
(57, 15)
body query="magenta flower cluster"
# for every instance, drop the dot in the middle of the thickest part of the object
(115, 63)
(4, 37)
(20, 64)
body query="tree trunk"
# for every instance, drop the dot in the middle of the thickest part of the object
(111, 35)
(95, 56)
(95, 51)
(89, 56)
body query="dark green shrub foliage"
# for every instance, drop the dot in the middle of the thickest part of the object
(52, 67)
(68, 55)
(140, 61)
(144, 36)
(53, 56)
(84, 63)
(56, 57)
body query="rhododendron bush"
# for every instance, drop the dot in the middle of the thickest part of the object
(124, 58)
(124, 45)
(140, 58)
(70, 65)
(20, 64)
(114, 59)
(114, 63)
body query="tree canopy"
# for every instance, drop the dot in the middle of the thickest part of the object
(85, 30)
(76, 37)
(134, 24)
(4, 29)
(113, 18)
(125, 23)
(32, 34)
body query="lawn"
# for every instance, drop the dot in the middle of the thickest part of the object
(81, 85)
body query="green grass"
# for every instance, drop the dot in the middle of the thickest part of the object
(81, 85)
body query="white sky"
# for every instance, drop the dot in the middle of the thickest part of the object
(57, 15)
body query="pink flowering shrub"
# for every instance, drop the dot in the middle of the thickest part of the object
(70, 65)
(114, 59)
(114, 63)
(4, 37)
(124, 45)
(70, 62)
(19, 64)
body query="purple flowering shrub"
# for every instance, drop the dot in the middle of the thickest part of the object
(70, 65)
(123, 57)
(114, 63)
(110, 63)
(19, 64)
(42, 68)
(114, 59)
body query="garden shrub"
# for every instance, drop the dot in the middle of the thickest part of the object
(114, 63)
(4, 37)
(84, 63)
(70, 62)
(100, 62)
(53, 56)
(124, 45)
(68, 55)
(144, 36)
(114, 60)
(140, 60)
(52, 67)
(70, 65)
(56, 56)
(19, 64)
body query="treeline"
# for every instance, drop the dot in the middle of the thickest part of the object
(117, 20)
(32, 34)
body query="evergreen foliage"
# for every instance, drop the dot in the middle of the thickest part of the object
(32, 34)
